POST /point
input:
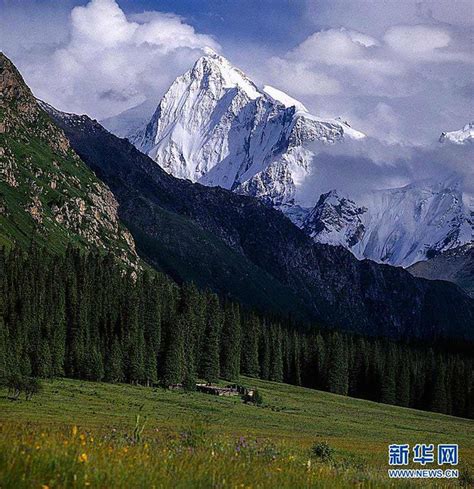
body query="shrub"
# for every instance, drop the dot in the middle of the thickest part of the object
(255, 398)
(28, 385)
(15, 385)
(31, 386)
(322, 451)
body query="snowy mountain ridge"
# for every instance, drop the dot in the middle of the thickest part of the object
(216, 127)
(398, 226)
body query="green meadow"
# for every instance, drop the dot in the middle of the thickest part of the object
(84, 434)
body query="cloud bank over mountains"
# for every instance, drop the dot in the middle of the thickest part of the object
(110, 62)
(358, 168)
(398, 71)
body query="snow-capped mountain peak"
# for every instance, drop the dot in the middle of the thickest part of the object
(463, 136)
(214, 67)
(335, 220)
(214, 125)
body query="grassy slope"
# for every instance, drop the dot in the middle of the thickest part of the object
(292, 417)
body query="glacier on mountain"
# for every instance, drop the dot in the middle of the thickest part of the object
(399, 226)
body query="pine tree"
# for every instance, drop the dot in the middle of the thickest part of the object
(136, 346)
(250, 341)
(230, 344)
(403, 383)
(276, 363)
(388, 387)
(296, 360)
(45, 364)
(174, 362)
(320, 362)
(114, 365)
(265, 353)
(439, 392)
(152, 327)
(210, 368)
(338, 369)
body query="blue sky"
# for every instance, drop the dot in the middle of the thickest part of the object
(278, 23)
(398, 70)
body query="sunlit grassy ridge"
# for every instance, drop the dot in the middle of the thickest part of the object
(197, 440)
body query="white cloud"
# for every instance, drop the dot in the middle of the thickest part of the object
(391, 86)
(303, 80)
(111, 62)
(418, 42)
(333, 47)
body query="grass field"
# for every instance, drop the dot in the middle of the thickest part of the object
(80, 434)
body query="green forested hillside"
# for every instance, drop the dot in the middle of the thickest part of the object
(81, 316)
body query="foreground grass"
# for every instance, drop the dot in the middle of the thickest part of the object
(79, 434)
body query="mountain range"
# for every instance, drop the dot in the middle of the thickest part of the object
(215, 126)
(233, 244)
(400, 226)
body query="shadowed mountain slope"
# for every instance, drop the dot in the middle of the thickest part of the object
(239, 247)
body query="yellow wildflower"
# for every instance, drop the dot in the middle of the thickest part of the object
(74, 430)
(45, 486)
(82, 458)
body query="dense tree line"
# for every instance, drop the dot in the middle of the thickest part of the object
(84, 316)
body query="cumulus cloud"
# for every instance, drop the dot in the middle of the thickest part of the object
(397, 81)
(111, 62)
(302, 79)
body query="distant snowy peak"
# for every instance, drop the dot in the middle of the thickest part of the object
(130, 121)
(396, 226)
(335, 220)
(215, 126)
(463, 136)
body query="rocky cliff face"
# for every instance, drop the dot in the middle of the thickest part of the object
(47, 194)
